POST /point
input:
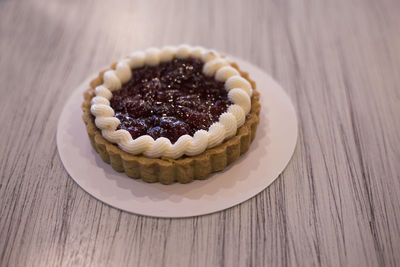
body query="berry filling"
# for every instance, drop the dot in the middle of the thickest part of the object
(170, 100)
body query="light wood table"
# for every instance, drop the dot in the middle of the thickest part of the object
(336, 204)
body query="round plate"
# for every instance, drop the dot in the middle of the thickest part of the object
(267, 157)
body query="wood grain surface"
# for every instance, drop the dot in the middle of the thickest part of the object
(336, 204)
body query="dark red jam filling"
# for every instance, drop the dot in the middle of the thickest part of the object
(169, 100)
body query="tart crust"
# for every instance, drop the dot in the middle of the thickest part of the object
(166, 170)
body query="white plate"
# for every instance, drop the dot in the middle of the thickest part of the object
(249, 175)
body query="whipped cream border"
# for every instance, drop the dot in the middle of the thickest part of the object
(239, 93)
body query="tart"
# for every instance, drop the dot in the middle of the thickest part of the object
(173, 114)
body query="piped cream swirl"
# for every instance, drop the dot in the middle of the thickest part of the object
(239, 93)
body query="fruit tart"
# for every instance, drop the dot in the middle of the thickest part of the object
(172, 114)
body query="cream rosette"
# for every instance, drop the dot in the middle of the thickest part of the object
(239, 93)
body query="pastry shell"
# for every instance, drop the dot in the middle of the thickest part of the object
(166, 170)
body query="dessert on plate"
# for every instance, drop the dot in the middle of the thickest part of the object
(173, 114)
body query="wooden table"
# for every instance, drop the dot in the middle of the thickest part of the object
(336, 204)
